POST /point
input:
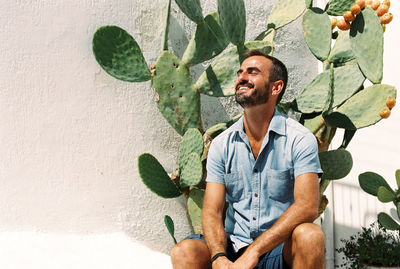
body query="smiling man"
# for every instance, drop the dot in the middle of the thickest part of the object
(266, 167)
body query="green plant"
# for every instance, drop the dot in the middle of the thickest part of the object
(336, 98)
(376, 185)
(374, 246)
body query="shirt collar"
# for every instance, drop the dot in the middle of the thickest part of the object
(277, 124)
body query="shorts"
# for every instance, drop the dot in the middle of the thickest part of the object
(270, 260)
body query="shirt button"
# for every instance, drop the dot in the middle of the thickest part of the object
(254, 218)
(255, 170)
(256, 195)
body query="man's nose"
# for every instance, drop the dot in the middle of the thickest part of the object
(243, 77)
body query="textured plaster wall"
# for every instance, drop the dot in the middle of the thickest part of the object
(70, 134)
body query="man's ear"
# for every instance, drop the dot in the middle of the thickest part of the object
(277, 87)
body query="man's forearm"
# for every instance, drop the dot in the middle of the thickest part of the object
(295, 215)
(214, 232)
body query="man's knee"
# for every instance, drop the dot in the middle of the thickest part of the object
(308, 235)
(189, 250)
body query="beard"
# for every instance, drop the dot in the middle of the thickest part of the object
(256, 97)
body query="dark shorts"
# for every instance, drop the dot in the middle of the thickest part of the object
(270, 260)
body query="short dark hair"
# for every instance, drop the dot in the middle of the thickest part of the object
(277, 72)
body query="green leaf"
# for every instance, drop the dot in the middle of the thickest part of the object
(284, 12)
(268, 35)
(366, 36)
(192, 171)
(155, 177)
(337, 7)
(362, 109)
(398, 177)
(347, 137)
(336, 164)
(347, 80)
(385, 195)
(317, 32)
(219, 78)
(192, 9)
(386, 221)
(176, 98)
(192, 141)
(208, 41)
(119, 55)
(370, 182)
(165, 37)
(194, 206)
(342, 52)
(232, 14)
(169, 223)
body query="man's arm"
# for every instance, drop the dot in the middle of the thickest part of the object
(213, 228)
(304, 209)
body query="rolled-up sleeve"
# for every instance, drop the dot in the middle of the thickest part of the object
(305, 156)
(215, 162)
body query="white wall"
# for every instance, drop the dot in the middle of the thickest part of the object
(70, 134)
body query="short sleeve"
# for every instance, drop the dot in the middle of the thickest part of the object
(216, 162)
(305, 157)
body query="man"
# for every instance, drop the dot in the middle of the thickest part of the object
(266, 166)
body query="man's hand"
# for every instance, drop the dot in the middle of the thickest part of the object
(248, 260)
(222, 263)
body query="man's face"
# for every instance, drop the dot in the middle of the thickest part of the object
(252, 85)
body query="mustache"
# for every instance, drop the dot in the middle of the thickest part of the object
(244, 83)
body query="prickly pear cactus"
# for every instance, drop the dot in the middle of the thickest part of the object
(376, 185)
(336, 98)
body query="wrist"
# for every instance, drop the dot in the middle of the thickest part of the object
(218, 255)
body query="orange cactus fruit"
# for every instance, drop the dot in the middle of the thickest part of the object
(355, 9)
(386, 2)
(375, 4)
(390, 102)
(385, 113)
(360, 3)
(348, 16)
(382, 9)
(333, 22)
(368, 3)
(343, 25)
(386, 18)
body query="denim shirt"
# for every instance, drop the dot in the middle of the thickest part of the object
(260, 190)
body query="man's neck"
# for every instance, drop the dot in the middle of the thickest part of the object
(257, 120)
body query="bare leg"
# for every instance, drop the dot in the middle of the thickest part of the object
(306, 247)
(190, 253)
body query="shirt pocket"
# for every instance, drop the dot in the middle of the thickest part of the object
(280, 185)
(234, 186)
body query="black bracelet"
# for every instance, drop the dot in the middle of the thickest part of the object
(216, 256)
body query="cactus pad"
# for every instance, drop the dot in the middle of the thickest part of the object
(232, 14)
(366, 36)
(192, 141)
(192, 9)
(386, 221)
(207, 42)
(336, 164)
(398, 178)
(267, 35)
(317, 32)
(370, 182)
(155, 177)
(219, 78)
(313, 123)
(337, 7)
(385, 195)
(347, 80)
(341, 51)
(192, 171)
(177, 100)
(284, 12)
(194, 206)
(169, 223)
(362, 109)
(119, 55)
